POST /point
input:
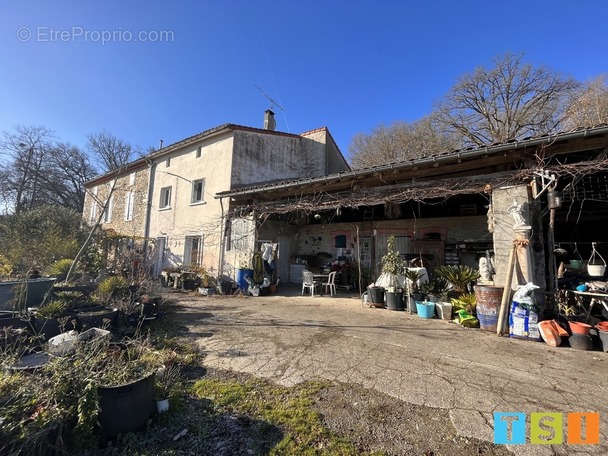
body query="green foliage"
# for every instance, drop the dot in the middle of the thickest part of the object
(57, 405)
(466, 301)
(459, 276)
(113, 287)
(60, 267)
(34, 239)
(413, 276)
(167, 381)
(88, 409)
(290, 409)
(437, 287)
(391, 261)
(53, 309)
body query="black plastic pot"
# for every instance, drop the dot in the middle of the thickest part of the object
(50, 327)
(226, 287)
(98, 317)
(581, 341)
(394, 301)
(126, 408)
(188, 284)
(16, 321)
(376, 295)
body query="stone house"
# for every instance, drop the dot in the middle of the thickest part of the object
(164, 205)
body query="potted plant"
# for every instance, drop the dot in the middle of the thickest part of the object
(167, 379)
(436, 289)
(392, 269)
(53, 318)
(458, 276)
(412, 282)
(208, 282)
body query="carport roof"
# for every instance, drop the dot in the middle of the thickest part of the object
(504, 163)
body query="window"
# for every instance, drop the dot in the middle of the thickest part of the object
(165, 198)
(129, 203)
(193, 250)
(107, 214)
(168, 162)
(198, 191)
(199, 151)
(240, 230)
(132, 178)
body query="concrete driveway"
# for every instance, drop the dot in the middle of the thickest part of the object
(290, 338)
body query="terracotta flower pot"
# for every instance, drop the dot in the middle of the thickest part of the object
(602, 326)
(579, 328)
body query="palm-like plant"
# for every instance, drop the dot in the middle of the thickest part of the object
(413, 276)
(60, 267)
(459, 276)
(466, 301)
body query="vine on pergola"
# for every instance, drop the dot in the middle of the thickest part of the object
(422, 191)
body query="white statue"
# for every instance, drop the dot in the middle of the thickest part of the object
(517, 211)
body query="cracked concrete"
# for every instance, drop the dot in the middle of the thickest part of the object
(434, 363)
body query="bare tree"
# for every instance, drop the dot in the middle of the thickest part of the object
(399, 141)
(113, 154)
(109, 151)
(70, 169)
(24, 166)
(589, 105)
(513, 100)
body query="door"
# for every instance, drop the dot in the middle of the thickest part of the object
(159, 255)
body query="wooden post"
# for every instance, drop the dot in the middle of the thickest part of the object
(506, 294)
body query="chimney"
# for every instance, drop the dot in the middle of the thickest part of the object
(269, 122)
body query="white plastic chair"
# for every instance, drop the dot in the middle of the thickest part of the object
(330, 285)
(308, 282)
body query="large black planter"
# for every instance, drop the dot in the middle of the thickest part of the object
(50, 327)
(97, 316)
(394, 301)
(376, 296)
(126, 408)
(16, 321)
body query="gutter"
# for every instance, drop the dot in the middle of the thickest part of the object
(149, 205)
(424, 161)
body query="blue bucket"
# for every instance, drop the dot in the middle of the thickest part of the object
(487, 322)
(241, 275)
(426, 309)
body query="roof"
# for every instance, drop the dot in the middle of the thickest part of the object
(459, 160)
(145, 161)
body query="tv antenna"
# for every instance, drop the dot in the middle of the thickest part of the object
(270, 98)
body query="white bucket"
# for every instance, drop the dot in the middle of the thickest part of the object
(162, 405)
(596, 270)
(444, 310)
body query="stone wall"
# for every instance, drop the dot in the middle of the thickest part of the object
(136, 182)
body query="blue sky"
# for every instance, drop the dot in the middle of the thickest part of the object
(347, 65)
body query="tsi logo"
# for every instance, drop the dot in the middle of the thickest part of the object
(547, 428)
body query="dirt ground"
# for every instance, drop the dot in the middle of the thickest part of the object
(371, 421)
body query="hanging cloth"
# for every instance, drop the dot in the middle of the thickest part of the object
(258, 267)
